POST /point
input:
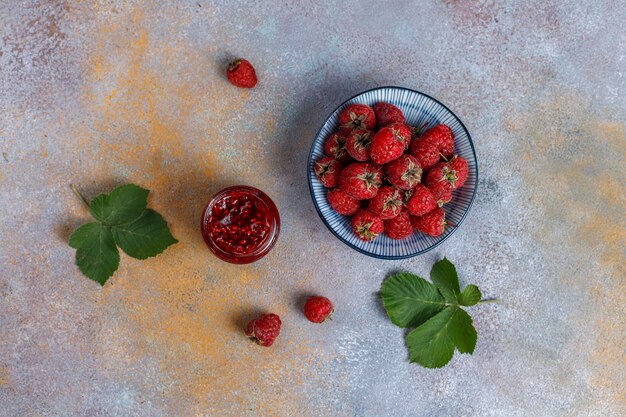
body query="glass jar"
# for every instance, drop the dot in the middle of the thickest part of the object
(240, 224)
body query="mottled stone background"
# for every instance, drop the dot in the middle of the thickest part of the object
(99, 93)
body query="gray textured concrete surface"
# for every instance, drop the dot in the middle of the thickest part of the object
(99, 93)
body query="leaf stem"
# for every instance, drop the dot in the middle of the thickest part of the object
(79, 195)
(488, 300)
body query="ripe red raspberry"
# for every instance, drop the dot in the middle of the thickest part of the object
(342, 203)
(327, 171)
(405, 172)
(335, 146)
(422, 201)
(357, 116)
(360, 180)
(459, 165)
(241, 73)
(318, 309)
(442, 193)
(442, 137)
(264, 329)
(443, 177)
(400, 226)
(389, 143)
(358, 144)
(387, 203)
(444, 198)
(367, 225)
(387, 113)
(405, 132)
(432, 223)
(426, 153)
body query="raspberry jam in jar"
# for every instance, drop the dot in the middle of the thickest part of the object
(240, 224)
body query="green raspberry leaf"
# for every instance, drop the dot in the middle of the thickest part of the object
(96, 255)
(446, 279)
(410, 300)
(462, 332)
(470, 296)
(145, 237)
(123, 205)
(432, 344)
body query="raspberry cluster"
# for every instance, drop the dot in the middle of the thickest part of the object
(390, 177)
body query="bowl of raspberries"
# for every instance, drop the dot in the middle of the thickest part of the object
(392, 172)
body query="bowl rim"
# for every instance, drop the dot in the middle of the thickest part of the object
(373, 255)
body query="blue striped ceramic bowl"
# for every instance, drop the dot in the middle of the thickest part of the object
(419, 109)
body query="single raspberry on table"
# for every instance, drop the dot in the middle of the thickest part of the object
(442, 137)
(328, 170)
(264, 329)
(405, 172)
(342, 203)
(389, 143)
(318, 309)
(357, 116)
(400, 226)
(358, 144)
(387, 203)
(360, 180)
(335, 146)
(241, 73)
(459, 165)
(421, 202)
(387, 113)
(367, 225)
(426, 153)
(432, 223)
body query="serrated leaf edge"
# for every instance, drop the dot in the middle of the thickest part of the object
(174, 240)
(392, 317)
(104, 195)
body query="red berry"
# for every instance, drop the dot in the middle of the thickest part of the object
(442, 137)
(335, 146)
(444, 177)
(405, 132)
(387, 203)
(431, 223)
(426, 153)
(327, 171)
(421, 202)
(405, 172)
(357, 116)
(342, 203)
(387, 113)
(442, 193)
(241, 73)
(367, 225)
(399, 227)
(389, 143)
(444, 198)
(318, 309)
(459, 165)
(360, 180)
(358, 144)
(264, 329)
